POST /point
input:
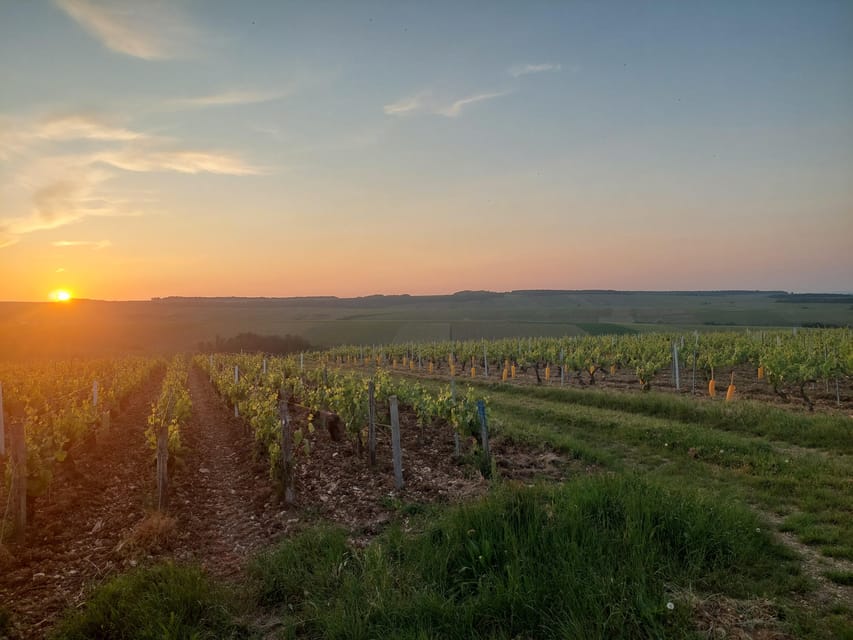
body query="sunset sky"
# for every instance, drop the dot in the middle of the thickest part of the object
(321, 148)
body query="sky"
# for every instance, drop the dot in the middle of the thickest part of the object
(206, 148)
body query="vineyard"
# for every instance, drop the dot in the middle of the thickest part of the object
(793, 364)
(55, 409)
(113, 466)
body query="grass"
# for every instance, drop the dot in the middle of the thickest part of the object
(808, 487)
(598, 558)
(826, 431)
(165, 602)
(794, 465)
(844, 578)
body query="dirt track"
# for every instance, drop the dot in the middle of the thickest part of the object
(223, 500)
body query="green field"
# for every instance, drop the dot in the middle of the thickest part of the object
(86, 328)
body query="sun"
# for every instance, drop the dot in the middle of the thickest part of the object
(60, 295)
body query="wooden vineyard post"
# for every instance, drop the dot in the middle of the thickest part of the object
(457, 448)
(162, 467)
(675, 367)
(672, 361)
(371, 424)
(18, 494)
(95, 394)
(236, 381)
(286, 452)
(103, 428)
(485, 361)
(396, 449)
(484, 438)
(2, 425)
(695, 355)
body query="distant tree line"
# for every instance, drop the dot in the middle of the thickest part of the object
(815, 298)
(254, 343)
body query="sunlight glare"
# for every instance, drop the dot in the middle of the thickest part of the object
(60, 295)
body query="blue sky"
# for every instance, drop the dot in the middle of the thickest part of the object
(283, 148)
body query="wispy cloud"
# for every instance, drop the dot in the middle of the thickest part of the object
(95, 244)
(424, 102)
(82, 126)
(406, 105)
(228, 98)
(23, 135)
(7, 238)
(122, 147)
(48, 186)
(269, 130)
(518, 70)
(455, 109)
(182, 161)
(15, 137)
(151, 30)
(59, 202)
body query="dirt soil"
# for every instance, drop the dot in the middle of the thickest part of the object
(223, 506)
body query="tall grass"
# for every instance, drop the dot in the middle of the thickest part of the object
(166, 602)
(597, 558)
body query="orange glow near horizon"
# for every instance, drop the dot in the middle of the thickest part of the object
(60, 295)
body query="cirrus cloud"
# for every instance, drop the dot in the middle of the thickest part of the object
(63, 198)
(227, 98)
(181, 161)
(95, 244)
(150, 30)
(425, 102)
(54, 183)
(78, 126)
(518, 70)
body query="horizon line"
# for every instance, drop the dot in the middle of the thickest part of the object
(459, 293)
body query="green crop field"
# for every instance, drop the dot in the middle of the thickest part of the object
(177, 324)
